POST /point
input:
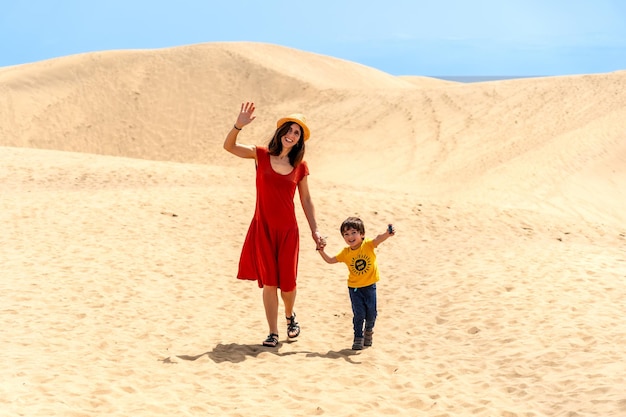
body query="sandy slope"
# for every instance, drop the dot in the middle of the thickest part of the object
(501, 295)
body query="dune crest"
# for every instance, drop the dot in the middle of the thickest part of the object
(504, 140)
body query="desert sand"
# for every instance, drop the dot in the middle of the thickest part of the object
(502, 293)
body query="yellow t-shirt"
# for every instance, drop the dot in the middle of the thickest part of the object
(361, 263)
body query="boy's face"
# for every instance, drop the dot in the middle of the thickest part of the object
(353, 238)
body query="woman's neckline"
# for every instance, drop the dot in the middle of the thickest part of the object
(276, 172)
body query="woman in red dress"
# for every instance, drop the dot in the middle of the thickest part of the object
(271, 248)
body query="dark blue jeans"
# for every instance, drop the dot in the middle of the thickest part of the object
(363, 308)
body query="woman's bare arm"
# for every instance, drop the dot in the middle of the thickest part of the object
(309, 209)
(230, 143)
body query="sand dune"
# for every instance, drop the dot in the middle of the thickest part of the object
(501, 295)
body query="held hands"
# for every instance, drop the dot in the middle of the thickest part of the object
(245, 115)
(320, 241)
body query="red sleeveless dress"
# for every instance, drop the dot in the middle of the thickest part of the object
(270, 250)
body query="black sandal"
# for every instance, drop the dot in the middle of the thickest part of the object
(293, 328)
(271, 341)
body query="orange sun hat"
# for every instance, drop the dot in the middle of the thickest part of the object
(298, 118)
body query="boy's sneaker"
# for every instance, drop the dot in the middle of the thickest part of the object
(368, 337)
(357, 344)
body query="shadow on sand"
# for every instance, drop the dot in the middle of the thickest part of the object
(236, 353)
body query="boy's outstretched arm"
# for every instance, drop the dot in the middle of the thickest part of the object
(391, 230)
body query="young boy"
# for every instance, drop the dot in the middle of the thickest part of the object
(360, 258)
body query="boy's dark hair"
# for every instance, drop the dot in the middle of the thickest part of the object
(352, 223)
(275, 146)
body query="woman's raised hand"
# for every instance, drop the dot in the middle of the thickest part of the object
(245, 115)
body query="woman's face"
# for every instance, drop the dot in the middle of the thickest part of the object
(292, 137)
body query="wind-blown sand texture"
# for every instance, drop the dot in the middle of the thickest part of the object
(502, 293)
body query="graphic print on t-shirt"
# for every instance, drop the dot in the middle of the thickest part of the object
(360, 264)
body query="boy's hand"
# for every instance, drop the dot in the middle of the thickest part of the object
(391, 230)
(322, 243)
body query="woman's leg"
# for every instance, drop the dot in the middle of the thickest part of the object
(289, 299)
(270, 302)
(287, 268)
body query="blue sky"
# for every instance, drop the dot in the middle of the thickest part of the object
(400, 37)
